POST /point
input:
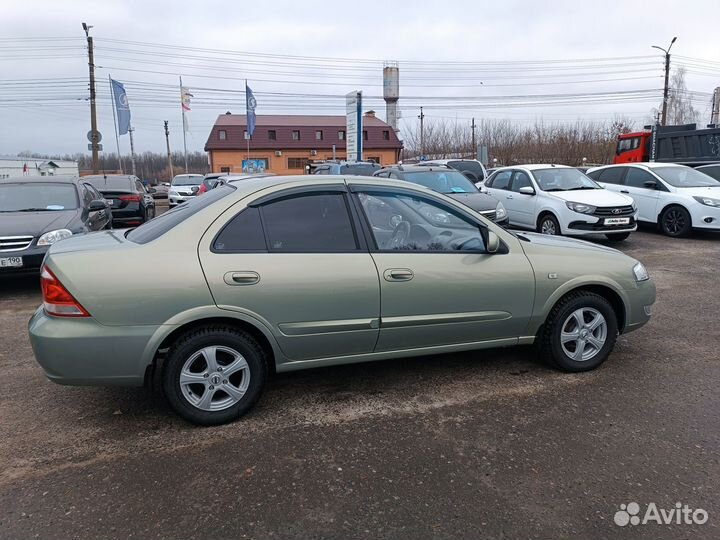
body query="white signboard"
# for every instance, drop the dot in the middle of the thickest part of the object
(353, 130)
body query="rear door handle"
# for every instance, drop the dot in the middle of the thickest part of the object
(398, 274)
(624, 191)
(509, 197)
(241, 278)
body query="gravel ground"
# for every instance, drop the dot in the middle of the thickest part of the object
(488, 444)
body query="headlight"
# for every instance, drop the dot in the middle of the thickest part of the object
(641, 273)
(580, 207)
(172, 192)
(54, 236)
(708, 201)
(500, 212)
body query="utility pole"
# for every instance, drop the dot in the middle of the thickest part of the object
(666, 89)
(132, 150)
(93, 111)
(167, 143)
(474, 146)
(715, 115)
(422, 133)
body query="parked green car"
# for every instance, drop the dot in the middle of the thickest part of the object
(287, 273)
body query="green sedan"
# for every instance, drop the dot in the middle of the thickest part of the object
(284, 273)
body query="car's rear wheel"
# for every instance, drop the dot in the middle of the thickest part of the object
(617, 237)
(548, 224)
(580, 332)
(214, 374)
(676, 222)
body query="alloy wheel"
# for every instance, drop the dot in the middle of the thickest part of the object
(548, 227)
(674, 221)
(583, 334)
(214, 378)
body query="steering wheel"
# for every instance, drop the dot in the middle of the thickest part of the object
(400, 235)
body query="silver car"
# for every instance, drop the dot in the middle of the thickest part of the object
(288, 273)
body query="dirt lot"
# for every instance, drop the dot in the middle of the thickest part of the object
(487, 444)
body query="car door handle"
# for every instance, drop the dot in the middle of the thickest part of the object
(509, 197)
(398, 274)
(624, 191)
(241, 278)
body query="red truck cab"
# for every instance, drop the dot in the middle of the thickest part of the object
(632, 147)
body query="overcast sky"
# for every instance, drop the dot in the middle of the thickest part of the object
(51, 115)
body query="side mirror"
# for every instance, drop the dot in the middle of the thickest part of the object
(527, 190)
(650, 184)
(493, 242)
(97, 205)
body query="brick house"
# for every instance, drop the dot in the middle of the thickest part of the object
(285, 144)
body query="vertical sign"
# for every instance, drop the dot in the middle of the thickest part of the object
(353, 128)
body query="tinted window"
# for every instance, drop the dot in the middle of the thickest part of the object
(317, 222)
(109, 183)
(469, 166)
(38, 197)
(501, 180)
(155, 228)
(95, 192)
(520, 180)
(359, 169)
(612, 175)
(187, 180)
(408, 223)
(139, 186)
(86, 195)
(243, 233)
(637, 178)
(713, 172)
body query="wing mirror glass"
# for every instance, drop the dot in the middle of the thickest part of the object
(527, 190)
(493, 242)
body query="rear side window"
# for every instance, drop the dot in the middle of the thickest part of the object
(243, 233)
(315, 223)
(612, 175)
(155, 228)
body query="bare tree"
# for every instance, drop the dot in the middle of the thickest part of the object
(680, 109)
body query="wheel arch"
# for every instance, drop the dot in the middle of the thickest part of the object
(547, 212)
(669, 205)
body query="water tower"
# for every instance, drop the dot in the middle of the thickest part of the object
(391, 93)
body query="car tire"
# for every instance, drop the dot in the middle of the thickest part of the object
(563, 335)
(675, 222)
(194, 374)
(617, 237)
(548, 224)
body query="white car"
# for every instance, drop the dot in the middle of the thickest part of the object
(556, 199)
(676, 197)
(183, 188)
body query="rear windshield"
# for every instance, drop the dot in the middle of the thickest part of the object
(187, 180)
(359, 169)
(469, 166)
(110, 182)
(155, 228)
(37, 197)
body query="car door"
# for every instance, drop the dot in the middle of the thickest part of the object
(521, 205)
(612, 178)
(646, 196)
(296, 261)
(438, 285)
(499, 187)
(91, 219)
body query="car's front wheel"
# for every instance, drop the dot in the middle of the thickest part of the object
(580, 332)
(676, 222)
(214, 374)
(548, 224)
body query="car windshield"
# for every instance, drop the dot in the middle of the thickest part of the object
(442, 181)
(468, 166)
(562, 179)
(187, 180)
(685, 177)
(37, 197)
(359, 169)
(109, 182)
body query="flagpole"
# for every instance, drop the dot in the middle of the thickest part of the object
(117, 138)
(247, 125)
(182, 107)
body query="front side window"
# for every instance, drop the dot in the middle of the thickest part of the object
(402, 222)
(520, 180)
(309, 223)
(612, 175)
(501, 180)
(637, 178)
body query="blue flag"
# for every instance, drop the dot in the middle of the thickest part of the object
(121, 107)
(250, 104)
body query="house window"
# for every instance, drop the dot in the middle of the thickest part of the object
(296, 135)
(222, 135)
(365, 135)
(341, 135)
(272, 135)
(225, 169)
(296, 163)
(386, 135)
(319, 135)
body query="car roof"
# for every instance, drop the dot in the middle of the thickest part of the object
(417, 168)
(535, 166)
(55, 179)
(128, 176)
(446, 161)
(641, 164)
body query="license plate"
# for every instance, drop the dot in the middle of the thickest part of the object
(617, 221)
(8, 262)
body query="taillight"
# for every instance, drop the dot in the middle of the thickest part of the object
(130, 198)
(202, 189)
(57, 300)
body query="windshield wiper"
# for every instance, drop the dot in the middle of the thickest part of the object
(36, 210)
(554, 189)
(581, 187)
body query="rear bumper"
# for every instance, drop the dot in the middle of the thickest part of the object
(76, 351)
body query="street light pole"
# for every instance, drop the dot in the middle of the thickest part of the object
(666, 89)
(93, 111)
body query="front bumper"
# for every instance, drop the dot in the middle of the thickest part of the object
(81, 351)
(178, 199)
(32, 258)
(594, 225)
(706, 217)
(639, 308)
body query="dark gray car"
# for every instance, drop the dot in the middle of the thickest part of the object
(36, 213)
(452, 183)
